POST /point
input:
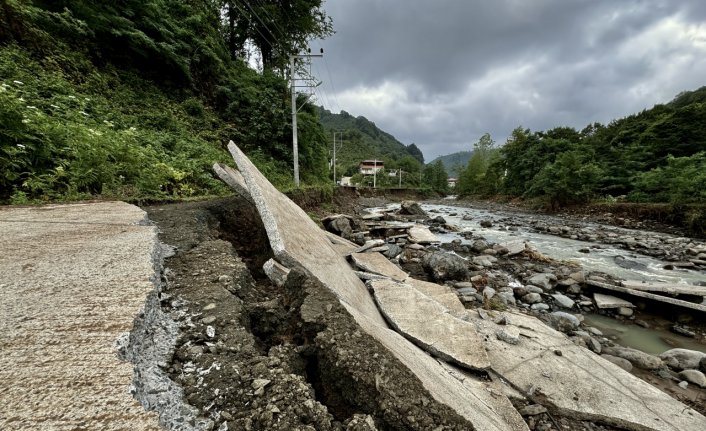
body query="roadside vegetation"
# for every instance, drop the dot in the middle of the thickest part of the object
(136, 100)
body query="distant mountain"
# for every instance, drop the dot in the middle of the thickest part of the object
(454, 162)
(361, 139)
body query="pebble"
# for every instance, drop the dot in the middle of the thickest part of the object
(208, 320)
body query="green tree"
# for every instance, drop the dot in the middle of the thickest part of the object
(435, 177)
(472, 180)
(569, 179)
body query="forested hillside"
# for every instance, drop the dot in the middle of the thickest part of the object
(360, 139)
(454, 163)
(136, 99)
(657, 155)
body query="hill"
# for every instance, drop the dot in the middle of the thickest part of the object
(136, 99)
(361, 139)
(455, 162)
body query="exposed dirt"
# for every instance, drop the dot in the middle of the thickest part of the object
(253, 356)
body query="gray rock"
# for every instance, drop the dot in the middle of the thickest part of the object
(533, 289)
(621, 362)
(543, 280)
(208, 320)
(509, 334)
(594, 345)
(507, 297)
(684, 384)
(637, 358)
(683, 359)
(532, 298)
(579, 276)
(479, 245)
(466, 291)
(564, 322)
(540, 306)
(411, 208)
(694, 376)
(625, 311)
(486, 223)
(563, 300)
(485, 261)
(488, 292)
(393, 250)
(702, 364)
(444, 266)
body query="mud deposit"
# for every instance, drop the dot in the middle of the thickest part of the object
(254, 356)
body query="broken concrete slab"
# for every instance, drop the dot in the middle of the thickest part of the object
(342, 246)
(429, 325)
(378, 264)
(422, 235)
(578, 383)
(442, 294)
(674, 289)
(514, 247)
(608, 301)
(234, 179)
(275, 272)
(481, 403)
(648, 295)
(296, 240)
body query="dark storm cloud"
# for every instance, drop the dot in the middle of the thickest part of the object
(441, 73)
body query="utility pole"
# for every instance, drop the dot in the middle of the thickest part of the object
(334, 156)
(292, 76)
(375, 172)
(400, 184)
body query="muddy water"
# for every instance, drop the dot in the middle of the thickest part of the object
(602, 257)
(654, 341)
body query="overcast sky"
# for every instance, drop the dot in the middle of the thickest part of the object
(440, 73)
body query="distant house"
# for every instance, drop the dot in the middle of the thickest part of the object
(452, 182)
(370, 167)
(346, 181)
(392, 173)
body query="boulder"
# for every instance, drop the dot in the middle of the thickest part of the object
(682, 359)
(486, 223)
(563, 300)
(564, 322)
(694, 376)
(532, 298)
(444, 266)
(543, 280)
(411, 208)
(637, 358)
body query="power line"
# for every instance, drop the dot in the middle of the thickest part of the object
(330, 77)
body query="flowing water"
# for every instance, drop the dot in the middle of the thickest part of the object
(601, 259)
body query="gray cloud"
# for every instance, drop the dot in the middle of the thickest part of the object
(441, 73)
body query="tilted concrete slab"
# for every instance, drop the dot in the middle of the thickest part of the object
(648, 295)
(442, 294)
(480, 403)
(234, 179)
(422, 235)
(296, 239)
(378, 264)
(579, 383)
(429, 325)
(678, 289)
(342, 246)
(72, 280)
(610, 301)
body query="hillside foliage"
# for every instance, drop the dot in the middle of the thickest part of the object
(657, 155)
(137, 99)
(455, 163)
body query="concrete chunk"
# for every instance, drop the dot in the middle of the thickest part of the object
(683, 289)
(378, 264)
(422, 235)
(608, 301)
(442, 294)
(296, 239)
(579, 383)
(234, 179)
(275, 272)
(429, 325)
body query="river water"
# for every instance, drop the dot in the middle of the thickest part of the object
(601, 259)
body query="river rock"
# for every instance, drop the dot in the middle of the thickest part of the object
(694, 376)
(411, 208)
(445, 266)
(563, 300)
(540, 306)
(564, 322)
(625, 311)
(682, 359)
(507, 297)
(702, 364)
(486, 223)
(637, 358)
(579, 276)
(479, 245)
(532, 298)
(543, 280)
(485, 261)
(393, 250)
(621, 362)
